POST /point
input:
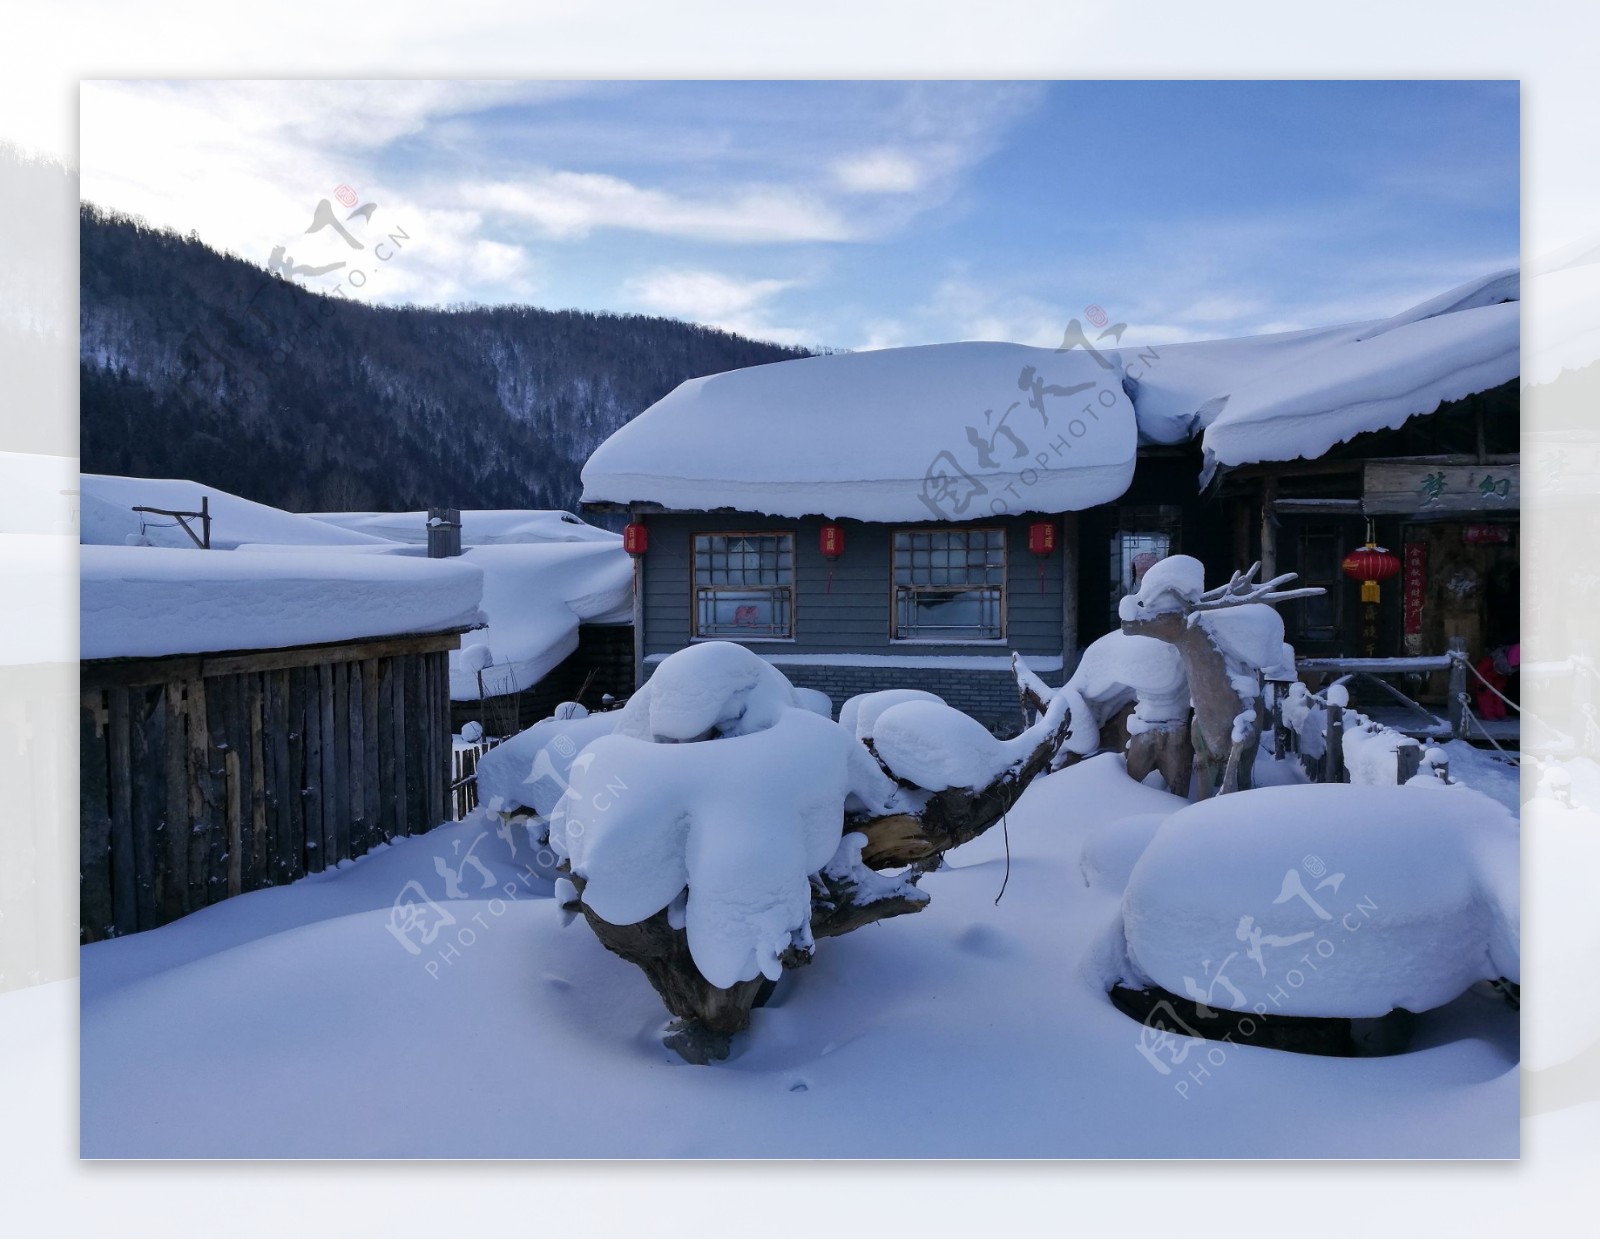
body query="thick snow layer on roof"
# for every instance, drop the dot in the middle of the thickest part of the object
(1288, 394)
(1373, 382)
(535, 595)
(108, 516)
(1328, 899)
(933, 432)
(481, 527)
(151, 601)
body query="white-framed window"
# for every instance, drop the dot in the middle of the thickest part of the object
(744, 586)
(950, 585)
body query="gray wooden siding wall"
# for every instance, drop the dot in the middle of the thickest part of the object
(853, 616)
(206, 776)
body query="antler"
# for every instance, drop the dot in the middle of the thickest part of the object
(1241, 589)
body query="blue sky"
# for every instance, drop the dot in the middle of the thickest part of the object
(850, 214)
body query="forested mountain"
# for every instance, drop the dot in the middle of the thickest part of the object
(200, 365)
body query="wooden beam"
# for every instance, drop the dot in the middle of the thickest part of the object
(104, 673)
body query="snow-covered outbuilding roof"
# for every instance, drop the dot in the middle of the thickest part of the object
(937, 431)
(276, 579)
(892, 435)
(146, 602)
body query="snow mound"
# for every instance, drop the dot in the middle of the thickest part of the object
(108, 517)
(710, 687)
(1250, 633)
(937, 746)
(144, 602)
(1119, 668)
(1328, 899)
(1171, 584)
(814, 700)
(741, 822)
(860, 714)
(535, 595)
(945, 431)
(1112, 849)
(481, 527)
(531, 770)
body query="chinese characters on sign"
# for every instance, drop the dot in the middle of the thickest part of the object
(1414, 582)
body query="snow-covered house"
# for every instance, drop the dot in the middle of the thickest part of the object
(903, 516)
(910, 516)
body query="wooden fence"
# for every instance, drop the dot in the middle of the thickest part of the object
(205, 776)
(464, 769)
(1319, 731)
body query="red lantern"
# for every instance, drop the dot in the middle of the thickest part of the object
(635, 538)
(1369, 565)
(830, 539)
(1042, 537)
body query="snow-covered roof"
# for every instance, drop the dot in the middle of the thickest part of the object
(893, 434)
(535, 596)
(482, 527)
(153, 601)
(108, 502)
(937, 431)
(276, 579)
(1338, 384)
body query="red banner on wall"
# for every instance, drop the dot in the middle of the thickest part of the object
(1416, 585)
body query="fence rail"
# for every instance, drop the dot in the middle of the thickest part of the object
(1337, 745)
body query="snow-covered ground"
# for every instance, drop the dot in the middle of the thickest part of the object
(309, 1021)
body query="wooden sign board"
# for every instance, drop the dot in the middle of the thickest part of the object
(1421, 489)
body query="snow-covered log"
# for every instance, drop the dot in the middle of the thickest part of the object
(722, 827)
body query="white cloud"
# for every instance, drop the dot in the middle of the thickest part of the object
(878, 172)
(717, 300)
(573, 204)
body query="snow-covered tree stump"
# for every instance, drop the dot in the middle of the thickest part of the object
(722, 828)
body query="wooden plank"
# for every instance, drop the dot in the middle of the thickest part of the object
(387, 824)
(175, 866)
(95, 916)
(318, 706)
(372, 798)
(339, 720)
(416, 721)
(328, 808)
(240, 794)
(402, 773)
(147, 743)
(355, 820)
(197, 760)
(441, 680)
(260, 871)
(280, 789)
(124, 885)
(1423, 488)
(1333, 771)
(106, 673)
(218, 707)
(297, 772)
(234, 792)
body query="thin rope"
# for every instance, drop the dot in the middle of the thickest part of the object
(1466, 712)
(1492, 689)
(1005, 832)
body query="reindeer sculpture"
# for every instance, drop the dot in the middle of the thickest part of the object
(1226, 636)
